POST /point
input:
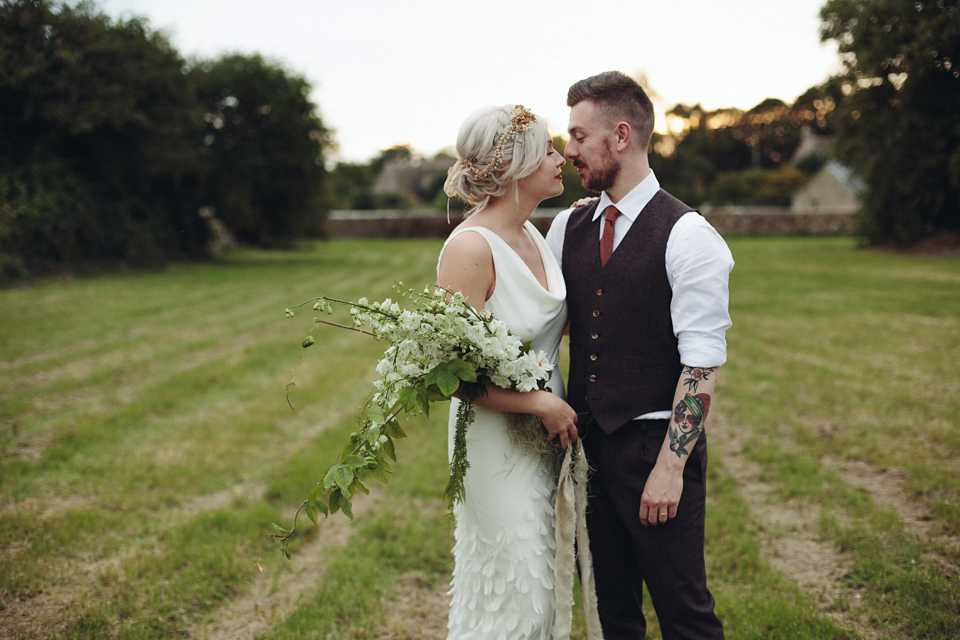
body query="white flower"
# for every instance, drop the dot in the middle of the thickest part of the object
(443, 327)
(409, 321)
(440, 327)
(541, 364)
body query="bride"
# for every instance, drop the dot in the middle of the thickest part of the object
(502, 585)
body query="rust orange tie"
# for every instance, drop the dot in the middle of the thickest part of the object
(606, 240)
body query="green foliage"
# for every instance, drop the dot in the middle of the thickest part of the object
(722, 141)
(265, 144)
(685, 174)
(110, 144)
(420, 383)
(711, 145)
(370, 446)
(45, 212)
(433, 190)
(420, 182)
(770, 130)
(438, 346)
(898, 128)
(456, 491)
(816, 107)
(351, 186)
(99, 111)
(396, 152)
(772, 187)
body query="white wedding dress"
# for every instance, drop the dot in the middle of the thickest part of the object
(504, 553)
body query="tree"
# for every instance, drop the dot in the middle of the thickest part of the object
(351, 186)
(398, 152)
(771, 187)
(816, 106)
(265, 143)
(898, 126)
(721, 143)
(98, 137)
(769, 131)
(686, 162)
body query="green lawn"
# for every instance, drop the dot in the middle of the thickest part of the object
(146, 445)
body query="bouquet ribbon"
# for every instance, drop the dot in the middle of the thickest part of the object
(572, 537)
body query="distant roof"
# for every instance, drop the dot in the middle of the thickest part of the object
(845, 175)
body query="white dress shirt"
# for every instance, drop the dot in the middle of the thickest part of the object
(698, 265)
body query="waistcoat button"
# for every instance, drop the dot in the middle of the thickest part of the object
(593, 356)
(599, 292)
(594, 335)
(596, 313)
(593, 378)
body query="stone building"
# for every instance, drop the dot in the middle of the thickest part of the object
(411, 176)
(833, 189)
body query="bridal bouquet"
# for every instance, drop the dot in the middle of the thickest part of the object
(438, 347)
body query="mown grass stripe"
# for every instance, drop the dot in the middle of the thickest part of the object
(835, 353)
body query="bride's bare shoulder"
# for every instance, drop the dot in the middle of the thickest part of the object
(467, 245)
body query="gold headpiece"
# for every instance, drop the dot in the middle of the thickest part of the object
(522, 119)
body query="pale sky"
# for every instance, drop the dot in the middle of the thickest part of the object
(388, 72)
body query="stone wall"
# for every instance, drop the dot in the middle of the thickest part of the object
(728, 220)
(778, 221)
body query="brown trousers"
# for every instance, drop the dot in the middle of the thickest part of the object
(667, 557)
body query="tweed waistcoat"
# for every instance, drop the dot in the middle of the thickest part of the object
(624, 360)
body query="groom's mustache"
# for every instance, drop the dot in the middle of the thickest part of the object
(579, 164)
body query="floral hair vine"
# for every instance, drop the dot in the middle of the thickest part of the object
(522, 119)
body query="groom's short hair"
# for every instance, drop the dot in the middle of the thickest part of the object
(619, 98)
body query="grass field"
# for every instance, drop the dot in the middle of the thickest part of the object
(146, 445)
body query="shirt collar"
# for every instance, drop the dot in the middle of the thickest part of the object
(633, 203)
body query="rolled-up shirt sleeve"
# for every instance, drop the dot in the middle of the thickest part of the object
(698, 265)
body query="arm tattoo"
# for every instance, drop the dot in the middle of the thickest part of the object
(693, 377)
(688, 417)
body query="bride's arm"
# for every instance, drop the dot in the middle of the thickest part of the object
(467, 266)
(558, 418)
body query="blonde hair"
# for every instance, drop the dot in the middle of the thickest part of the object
(496, 147)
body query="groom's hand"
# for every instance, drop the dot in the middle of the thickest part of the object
(661, 495)
(582, 202)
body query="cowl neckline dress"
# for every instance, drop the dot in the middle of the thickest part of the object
(502, 586)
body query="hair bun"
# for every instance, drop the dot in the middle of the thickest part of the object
(496, 146)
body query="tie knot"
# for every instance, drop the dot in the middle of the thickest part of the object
(610, 213)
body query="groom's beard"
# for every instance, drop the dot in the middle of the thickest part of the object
(602, 177)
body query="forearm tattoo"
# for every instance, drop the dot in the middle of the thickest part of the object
(693, 377)
(688, 415)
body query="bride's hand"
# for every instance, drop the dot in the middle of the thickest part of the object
(559, 419)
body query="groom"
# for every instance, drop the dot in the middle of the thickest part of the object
(647, 292)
